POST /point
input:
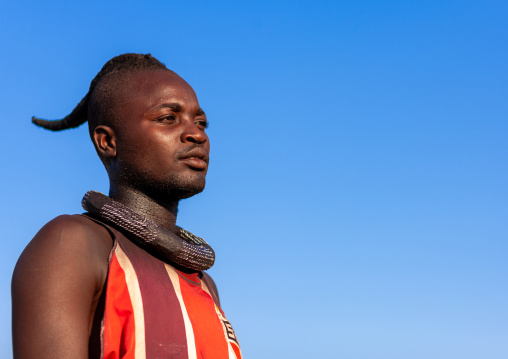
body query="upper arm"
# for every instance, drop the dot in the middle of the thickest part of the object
(55, 284)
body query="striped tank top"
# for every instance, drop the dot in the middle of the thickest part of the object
(151, 310)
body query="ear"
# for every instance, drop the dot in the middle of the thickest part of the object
(104, 139)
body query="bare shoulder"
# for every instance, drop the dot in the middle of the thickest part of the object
(73, 228)
(65, 240)
(56, 286)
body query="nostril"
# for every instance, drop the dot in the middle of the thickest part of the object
(194, 137)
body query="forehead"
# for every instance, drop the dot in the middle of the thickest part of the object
(144, 90)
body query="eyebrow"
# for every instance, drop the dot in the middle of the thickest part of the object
(174, 106)
(177, 108)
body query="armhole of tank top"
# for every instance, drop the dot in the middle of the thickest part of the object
(96, 340)
(110, 230)
(210, 284)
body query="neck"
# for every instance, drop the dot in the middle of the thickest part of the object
(164, 214)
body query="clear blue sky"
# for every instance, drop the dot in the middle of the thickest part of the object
(357, 196)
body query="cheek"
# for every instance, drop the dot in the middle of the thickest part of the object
(136, 156)
(150, 151)
(152, 145)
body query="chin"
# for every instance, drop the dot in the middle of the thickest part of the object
(185, 192)
(187, 186)
(171, 188)
(180, 189)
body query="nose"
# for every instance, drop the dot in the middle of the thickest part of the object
(192, 133)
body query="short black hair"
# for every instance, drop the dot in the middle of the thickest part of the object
(95, 106)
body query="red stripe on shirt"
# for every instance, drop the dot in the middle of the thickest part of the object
(118, 337)
(207, 328)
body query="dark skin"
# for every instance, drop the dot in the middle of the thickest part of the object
(155, 157)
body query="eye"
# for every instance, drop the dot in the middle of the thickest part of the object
(203, 124)
(167, 119)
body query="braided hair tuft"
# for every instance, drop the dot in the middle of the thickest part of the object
(118, 66)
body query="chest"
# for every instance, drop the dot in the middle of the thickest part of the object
(153, 310)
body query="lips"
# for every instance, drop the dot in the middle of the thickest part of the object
(196, 158)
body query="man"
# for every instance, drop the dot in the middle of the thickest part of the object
(122, 280)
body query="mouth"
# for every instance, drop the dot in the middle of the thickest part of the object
(196, 158)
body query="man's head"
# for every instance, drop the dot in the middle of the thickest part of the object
(147, 127)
